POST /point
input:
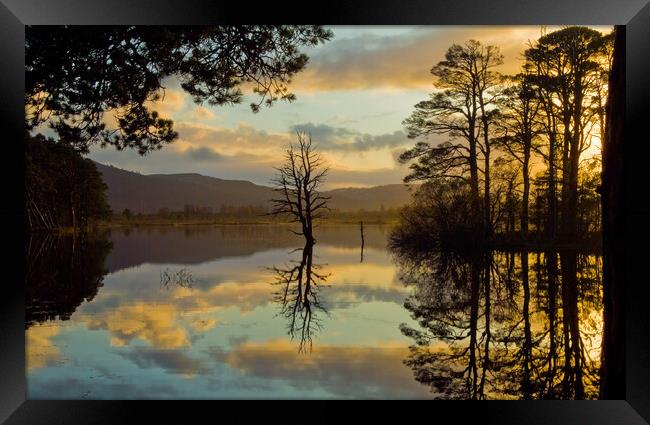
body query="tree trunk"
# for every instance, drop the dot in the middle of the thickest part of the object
(526, 194)
(551, 225)
(551, 270)
(487, 218)
(473, 170)
(486, 142)
(612, 384)
(527, 348)
(566, 171)
(573, 354)
(472, 367)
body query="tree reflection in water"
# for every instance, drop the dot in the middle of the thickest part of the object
(504, 325)
(297, 294)
(62, 271)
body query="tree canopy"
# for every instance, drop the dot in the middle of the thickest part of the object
(76, 74)
(531, 130)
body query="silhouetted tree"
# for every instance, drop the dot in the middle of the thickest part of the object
(461, 108)
(491, 325)
(553, 111)
(62, 271)
(298, 296)
(613, 201)
(436, 218)
(62, 189)
(570, 74)
(519, 130)
(297, 185)
(76, 74)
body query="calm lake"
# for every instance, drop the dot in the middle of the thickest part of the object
(242, 311)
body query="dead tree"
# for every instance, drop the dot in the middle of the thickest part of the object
(297, 184)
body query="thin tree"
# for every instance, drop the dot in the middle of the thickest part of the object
(543, 83)
(297, 184)
(461, 109)
(485, 59)
(519, 129)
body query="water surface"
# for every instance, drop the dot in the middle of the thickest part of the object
(244, 312)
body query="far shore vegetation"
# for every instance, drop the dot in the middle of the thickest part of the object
(241, 215)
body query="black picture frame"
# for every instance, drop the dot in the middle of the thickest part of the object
(634, 14)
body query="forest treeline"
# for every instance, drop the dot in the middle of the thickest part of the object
(506, 156)
(260, 211)
(62, 188)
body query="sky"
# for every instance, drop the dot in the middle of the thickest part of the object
(352, 97)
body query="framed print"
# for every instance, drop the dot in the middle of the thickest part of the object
(375, 201)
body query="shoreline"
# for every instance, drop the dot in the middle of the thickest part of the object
(149, 223)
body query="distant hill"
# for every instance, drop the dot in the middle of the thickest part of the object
(149, 193)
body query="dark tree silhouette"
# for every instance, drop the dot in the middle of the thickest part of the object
(62, 189)
(298, 296)
(499, 128)
(493, 325)
(519, 130)
(437, 218)
(62, 271)
(571, 63)
(297, 185)
(76, 74)
(613, 352)
(461, 110)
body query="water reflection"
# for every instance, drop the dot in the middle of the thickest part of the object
(190, 313)
(186, 313)
(505, 325)
(182, 277)
(297, 294)
(61, 273)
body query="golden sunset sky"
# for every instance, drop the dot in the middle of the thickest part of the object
(353, 96)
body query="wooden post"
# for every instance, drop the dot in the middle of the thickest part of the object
(362, 240)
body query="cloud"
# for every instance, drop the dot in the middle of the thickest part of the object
(202, 113)
(245, 137)
(403, 61)
(329, 138)
(40, 350)
(241, 137)
(155, 324)
(247, 153)
(170, 102)
(171, 361)
(203, 154)
(343, 371)
(357, 178)
(203, 325)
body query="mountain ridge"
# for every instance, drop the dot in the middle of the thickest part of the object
(148, 193)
